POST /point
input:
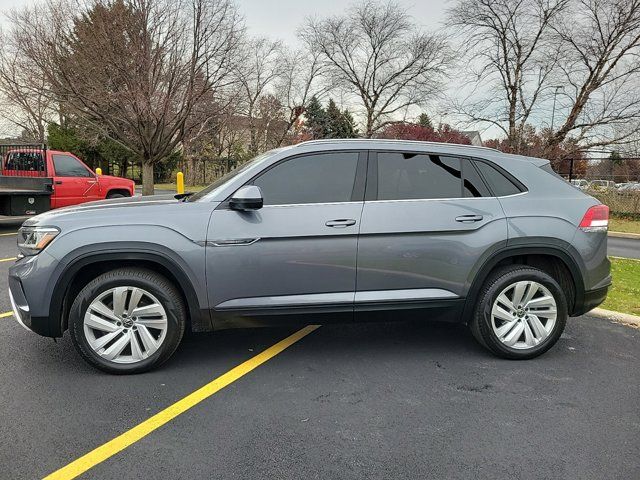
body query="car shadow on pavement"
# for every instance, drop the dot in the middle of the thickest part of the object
(335, 339)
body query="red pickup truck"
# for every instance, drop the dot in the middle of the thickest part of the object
(68, 180)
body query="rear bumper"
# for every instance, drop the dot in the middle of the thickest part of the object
(592, 298)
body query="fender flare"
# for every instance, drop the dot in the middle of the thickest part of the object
(200, 318)
(486, 266)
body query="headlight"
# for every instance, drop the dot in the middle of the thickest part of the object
(32, 240)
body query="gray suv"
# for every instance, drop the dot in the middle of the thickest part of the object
(322, 231)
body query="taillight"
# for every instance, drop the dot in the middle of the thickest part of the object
(596, 219)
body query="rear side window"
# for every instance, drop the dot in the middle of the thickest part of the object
(473, 185)
(498, 182)
(406, 176)
(26, 161)
(319, 178)
(67, 166)
(403, 176)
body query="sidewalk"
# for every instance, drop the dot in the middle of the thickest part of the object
(624, 235)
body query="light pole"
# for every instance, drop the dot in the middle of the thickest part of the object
(553, 111)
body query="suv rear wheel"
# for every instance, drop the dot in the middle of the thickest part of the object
(128, 320)
(521, 313)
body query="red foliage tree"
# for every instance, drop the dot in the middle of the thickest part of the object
(535, 144)
(413, 131)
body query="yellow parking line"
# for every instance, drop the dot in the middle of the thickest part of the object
(6, 314)
(8, 259)
(6, 234)
(107, 450)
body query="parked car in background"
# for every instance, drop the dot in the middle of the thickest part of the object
(581, 183)
(602, 184)
(629, 188)
(55, 179)
(322, 231)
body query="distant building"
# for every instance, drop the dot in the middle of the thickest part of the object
(474, 136)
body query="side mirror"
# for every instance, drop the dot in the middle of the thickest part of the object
(248, 197)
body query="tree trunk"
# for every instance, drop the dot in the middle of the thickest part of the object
(147, 177)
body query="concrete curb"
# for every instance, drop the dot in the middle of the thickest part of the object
(625, 318)
(624, 235)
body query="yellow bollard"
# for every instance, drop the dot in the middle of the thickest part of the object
(180, 182)
(98, 171)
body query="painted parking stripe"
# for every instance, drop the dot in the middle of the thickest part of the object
(7, 234)
(10, 259)
(6, 314)
(107, 450)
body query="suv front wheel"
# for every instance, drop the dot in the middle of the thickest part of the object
(128, 320)
(521, 312)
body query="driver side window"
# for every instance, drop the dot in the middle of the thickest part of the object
(317, 178)
(67, 166)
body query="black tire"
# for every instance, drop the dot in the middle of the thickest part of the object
(115, 195)
(499, 280)
(164, 291)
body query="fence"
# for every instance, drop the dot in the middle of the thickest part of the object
(615, 181)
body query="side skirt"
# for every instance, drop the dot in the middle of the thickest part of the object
(449, 310)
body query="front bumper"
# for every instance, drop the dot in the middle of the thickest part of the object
(20, 312)
(31, 282)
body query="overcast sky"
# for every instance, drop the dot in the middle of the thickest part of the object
(280, 18)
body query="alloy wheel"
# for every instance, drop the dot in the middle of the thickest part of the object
(523, 315)
(125, 324)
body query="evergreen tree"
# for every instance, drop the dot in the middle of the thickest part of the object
(349, 125)
(424, 121)
(334, 120)
(340, 123)
(316, 118)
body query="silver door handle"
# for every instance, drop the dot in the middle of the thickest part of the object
(341, 223)
(469, 218)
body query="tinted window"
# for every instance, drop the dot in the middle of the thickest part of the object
(321, 178)
(413, 176)
(67, 166)
(473, 184)
(499, 184)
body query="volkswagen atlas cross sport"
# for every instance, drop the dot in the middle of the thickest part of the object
(322, 231)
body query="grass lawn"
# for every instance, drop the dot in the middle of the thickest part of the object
(624, 295)
(624, 225)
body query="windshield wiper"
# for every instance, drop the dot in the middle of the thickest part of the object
(183, 196)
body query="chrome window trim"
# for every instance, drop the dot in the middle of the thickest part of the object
(280, 205)
(442, 199)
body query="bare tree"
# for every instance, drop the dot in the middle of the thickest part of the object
(25, 100)
(376, 51)
(568, 65)
(600, 71)
(299, 80)
(257, 73)
(136, 68)
(509, 49)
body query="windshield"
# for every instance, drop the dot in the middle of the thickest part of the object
(228, 176)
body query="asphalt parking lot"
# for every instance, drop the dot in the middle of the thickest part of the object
(402, 400)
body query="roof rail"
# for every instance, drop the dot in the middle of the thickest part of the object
(390, 141)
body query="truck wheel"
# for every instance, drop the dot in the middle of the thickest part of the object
(520, 314)
(128, 320)
(114, 195)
